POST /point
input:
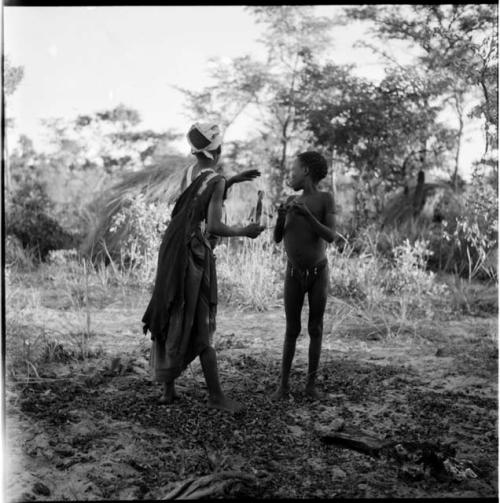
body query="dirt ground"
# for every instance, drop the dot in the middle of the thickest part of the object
(92, 429)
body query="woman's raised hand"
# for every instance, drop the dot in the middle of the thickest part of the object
(246, 176)
(253, 230)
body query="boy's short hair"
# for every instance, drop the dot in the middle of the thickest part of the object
(316, 163)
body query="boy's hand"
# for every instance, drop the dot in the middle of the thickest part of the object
(282, 210)
(253, 230)
(245, 176)
(301, 208)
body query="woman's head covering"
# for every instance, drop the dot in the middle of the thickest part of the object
(204, 138)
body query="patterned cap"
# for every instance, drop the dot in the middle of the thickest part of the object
(204, 138)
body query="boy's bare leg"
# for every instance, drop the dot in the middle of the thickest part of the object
(317, 303)
(216, 397)
(286, 365)
(314, 355)
(294, 300)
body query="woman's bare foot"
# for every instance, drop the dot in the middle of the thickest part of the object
(313, 393)
(167, 399)
(225, 404)
(280, 394)
(169, 395)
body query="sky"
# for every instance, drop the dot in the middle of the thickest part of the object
(84, 59)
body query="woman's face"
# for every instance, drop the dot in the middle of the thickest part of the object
(216, 156)
(297, 175)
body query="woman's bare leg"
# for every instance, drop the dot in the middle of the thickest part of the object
(216, 397)
(168, 393)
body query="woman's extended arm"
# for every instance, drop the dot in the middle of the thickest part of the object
(214, 221)
(245, 176)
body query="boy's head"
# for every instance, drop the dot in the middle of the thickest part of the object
(310, 165)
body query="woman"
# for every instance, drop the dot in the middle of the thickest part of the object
(182, 310)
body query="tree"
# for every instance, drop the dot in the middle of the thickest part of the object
(459, 45)
(109, 139)
(24, 162)
(384, 132)
(85, 153)
(292, 34)
(12, 77)
(237, 83)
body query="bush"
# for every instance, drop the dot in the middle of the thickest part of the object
(354, 276)
(62, 257)
(462, 243)
(383, 276)
(135, 233)
(28, 218)
(474, 235)
(16, 256)
(408, 281)
(250, 273)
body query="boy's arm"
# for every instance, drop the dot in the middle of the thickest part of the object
(330, 212)
(280, 221)
(326, 230)
(280, 225)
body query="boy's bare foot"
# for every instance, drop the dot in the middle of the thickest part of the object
(313, 393)
(166, 400)
(225, 404)
(280, 394)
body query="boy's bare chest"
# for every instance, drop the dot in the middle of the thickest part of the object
(315, 204)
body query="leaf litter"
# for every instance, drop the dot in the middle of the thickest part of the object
(101, 433)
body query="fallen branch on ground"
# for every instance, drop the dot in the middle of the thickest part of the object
(415, 458)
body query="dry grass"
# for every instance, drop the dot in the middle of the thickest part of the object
(155, 184)
(250, 272)
(50, 309)
(48, 316)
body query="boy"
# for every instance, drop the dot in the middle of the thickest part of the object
(306, 223)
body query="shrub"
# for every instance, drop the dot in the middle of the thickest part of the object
(16, 255)
(137, 229)
(460, 244)
(415, 288)
(62, 257)
(354, 276)
(475, 233)
(28, 218)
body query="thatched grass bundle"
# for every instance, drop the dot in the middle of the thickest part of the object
(157, 184)
(428, 202)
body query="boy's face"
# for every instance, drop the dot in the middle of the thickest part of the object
(298, 175)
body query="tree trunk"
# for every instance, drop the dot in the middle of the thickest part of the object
(7, 181)
(459, 109)
(334, 176)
